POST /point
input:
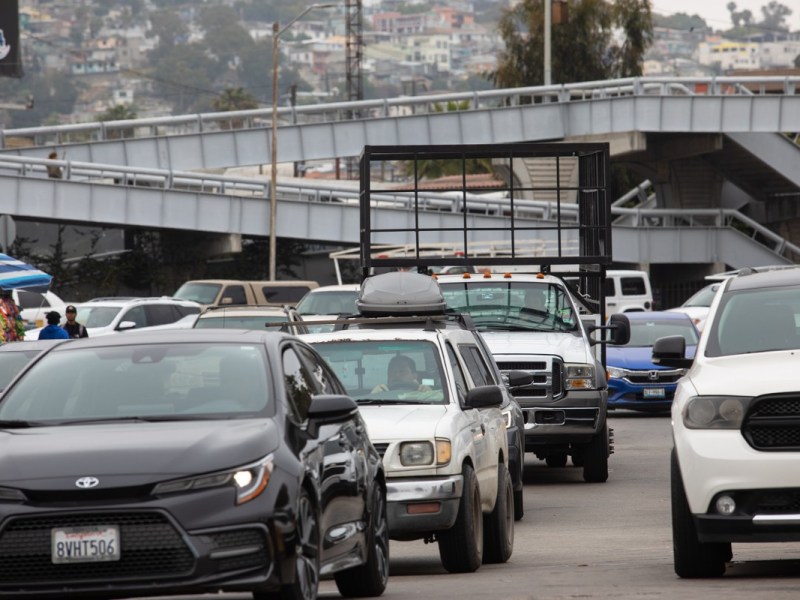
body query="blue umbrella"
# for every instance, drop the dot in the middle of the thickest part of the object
(17, 274)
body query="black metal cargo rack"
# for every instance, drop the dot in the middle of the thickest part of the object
(578, 232)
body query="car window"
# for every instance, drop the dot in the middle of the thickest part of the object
(751, 321)
(223, 321)
(11, 363)
(365, 368)
(31, 300)
(461, 382)
(284, 293)
(137, 315)
(704, 297)
(645, 332)
(299, 385)
(328, 303)
(204, 293)
(233, 294)
(325, 379)
(476, 366)
(161, 314)
(163, 381)
(97, 316)
(632, 286)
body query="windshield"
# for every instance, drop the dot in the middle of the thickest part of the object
(390, 372)
(96, 316)
(202, 293)
(11, 363)
(758, 320)
(328, 303)
(512, 304)
(240, 322)
(704, 297)
(159, 382)
(646, 332)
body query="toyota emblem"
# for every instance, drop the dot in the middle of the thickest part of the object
(87, 482)
(653, 375)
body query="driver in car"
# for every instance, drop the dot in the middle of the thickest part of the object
(401, 374)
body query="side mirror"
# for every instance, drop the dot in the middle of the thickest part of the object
(670, 351)
(484, 396)
(515, 379)
(620, 329)
(124, 325)
(326, 409)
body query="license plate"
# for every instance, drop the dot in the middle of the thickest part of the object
(653, 393)
(85, 544)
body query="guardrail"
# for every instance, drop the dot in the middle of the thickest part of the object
(402, 106)
(317, 191)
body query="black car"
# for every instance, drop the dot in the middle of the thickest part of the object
(187, 461)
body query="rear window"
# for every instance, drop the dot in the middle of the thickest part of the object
(329, 303)
(632, 286)
(31, 300)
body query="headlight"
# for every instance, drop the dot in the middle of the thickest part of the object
(249, 481)
(616, 372)
(580, 377)
(715, 412)
(415, 454)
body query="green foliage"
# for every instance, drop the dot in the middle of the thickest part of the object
(53, 93)
(681, 21)
(583, 48)
(119, 112)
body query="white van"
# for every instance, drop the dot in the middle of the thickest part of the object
(628, 291)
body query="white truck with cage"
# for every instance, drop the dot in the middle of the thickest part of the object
(526, 312)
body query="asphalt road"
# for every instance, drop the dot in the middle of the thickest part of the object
(610, 540)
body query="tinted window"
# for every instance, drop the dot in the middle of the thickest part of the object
(326, 380)
(461, 382)
(299, 386)
(611, 289)
(161, 314)
(233, 294)
(632, 286)
(187, 310)
(137, 315)
(31, 299)
(96, 316)
(239, 322)
(476, 366)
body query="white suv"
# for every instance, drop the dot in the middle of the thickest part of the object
(105, 316)
(736, 423)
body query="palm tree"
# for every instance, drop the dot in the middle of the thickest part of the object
(233, 99)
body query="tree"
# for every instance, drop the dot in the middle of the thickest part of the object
(775, 15)
(585, 48)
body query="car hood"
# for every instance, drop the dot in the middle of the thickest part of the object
(402, 421)
(129, 454)
(639, 358)
(570, 347)
(745, 374)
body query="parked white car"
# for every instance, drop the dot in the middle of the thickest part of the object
(105, 316)
(735, 422)
(34, 306)
(698, 305)
(328, 302)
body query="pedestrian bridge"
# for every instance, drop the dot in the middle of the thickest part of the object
(155, 172)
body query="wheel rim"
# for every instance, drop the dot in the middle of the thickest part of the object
(381, 539)
(307, 550)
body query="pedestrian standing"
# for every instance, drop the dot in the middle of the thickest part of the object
(12, 329)
(53, 331)
(72, 327)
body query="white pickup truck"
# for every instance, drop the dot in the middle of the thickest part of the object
(442, 437)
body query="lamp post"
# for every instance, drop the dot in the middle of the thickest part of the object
(277, 30)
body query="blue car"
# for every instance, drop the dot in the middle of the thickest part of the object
(634, 382)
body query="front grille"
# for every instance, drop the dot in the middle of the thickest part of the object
(773, 423)
(547, 378)
(522, 365)
(381, 448)
(149, 547)
(659, 376)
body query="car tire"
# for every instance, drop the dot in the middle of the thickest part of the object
(557, 460)
(461, 546)
(370, 579)
(595, 457)
(519, 508)
(498, 525)
(307, 548)
(692, 558)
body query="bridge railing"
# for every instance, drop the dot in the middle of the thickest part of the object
(632, 209)
(397, 107)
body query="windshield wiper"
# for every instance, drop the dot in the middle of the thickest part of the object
(19, 424)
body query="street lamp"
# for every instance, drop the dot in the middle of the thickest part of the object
(277, 30)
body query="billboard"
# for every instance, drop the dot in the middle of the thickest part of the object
(10, 51)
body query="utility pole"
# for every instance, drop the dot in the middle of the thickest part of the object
(354, 48)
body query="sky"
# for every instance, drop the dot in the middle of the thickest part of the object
(717, 16)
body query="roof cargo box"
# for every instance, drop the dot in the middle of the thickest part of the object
(402, 293)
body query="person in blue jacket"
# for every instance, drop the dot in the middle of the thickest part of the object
(53, 331)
